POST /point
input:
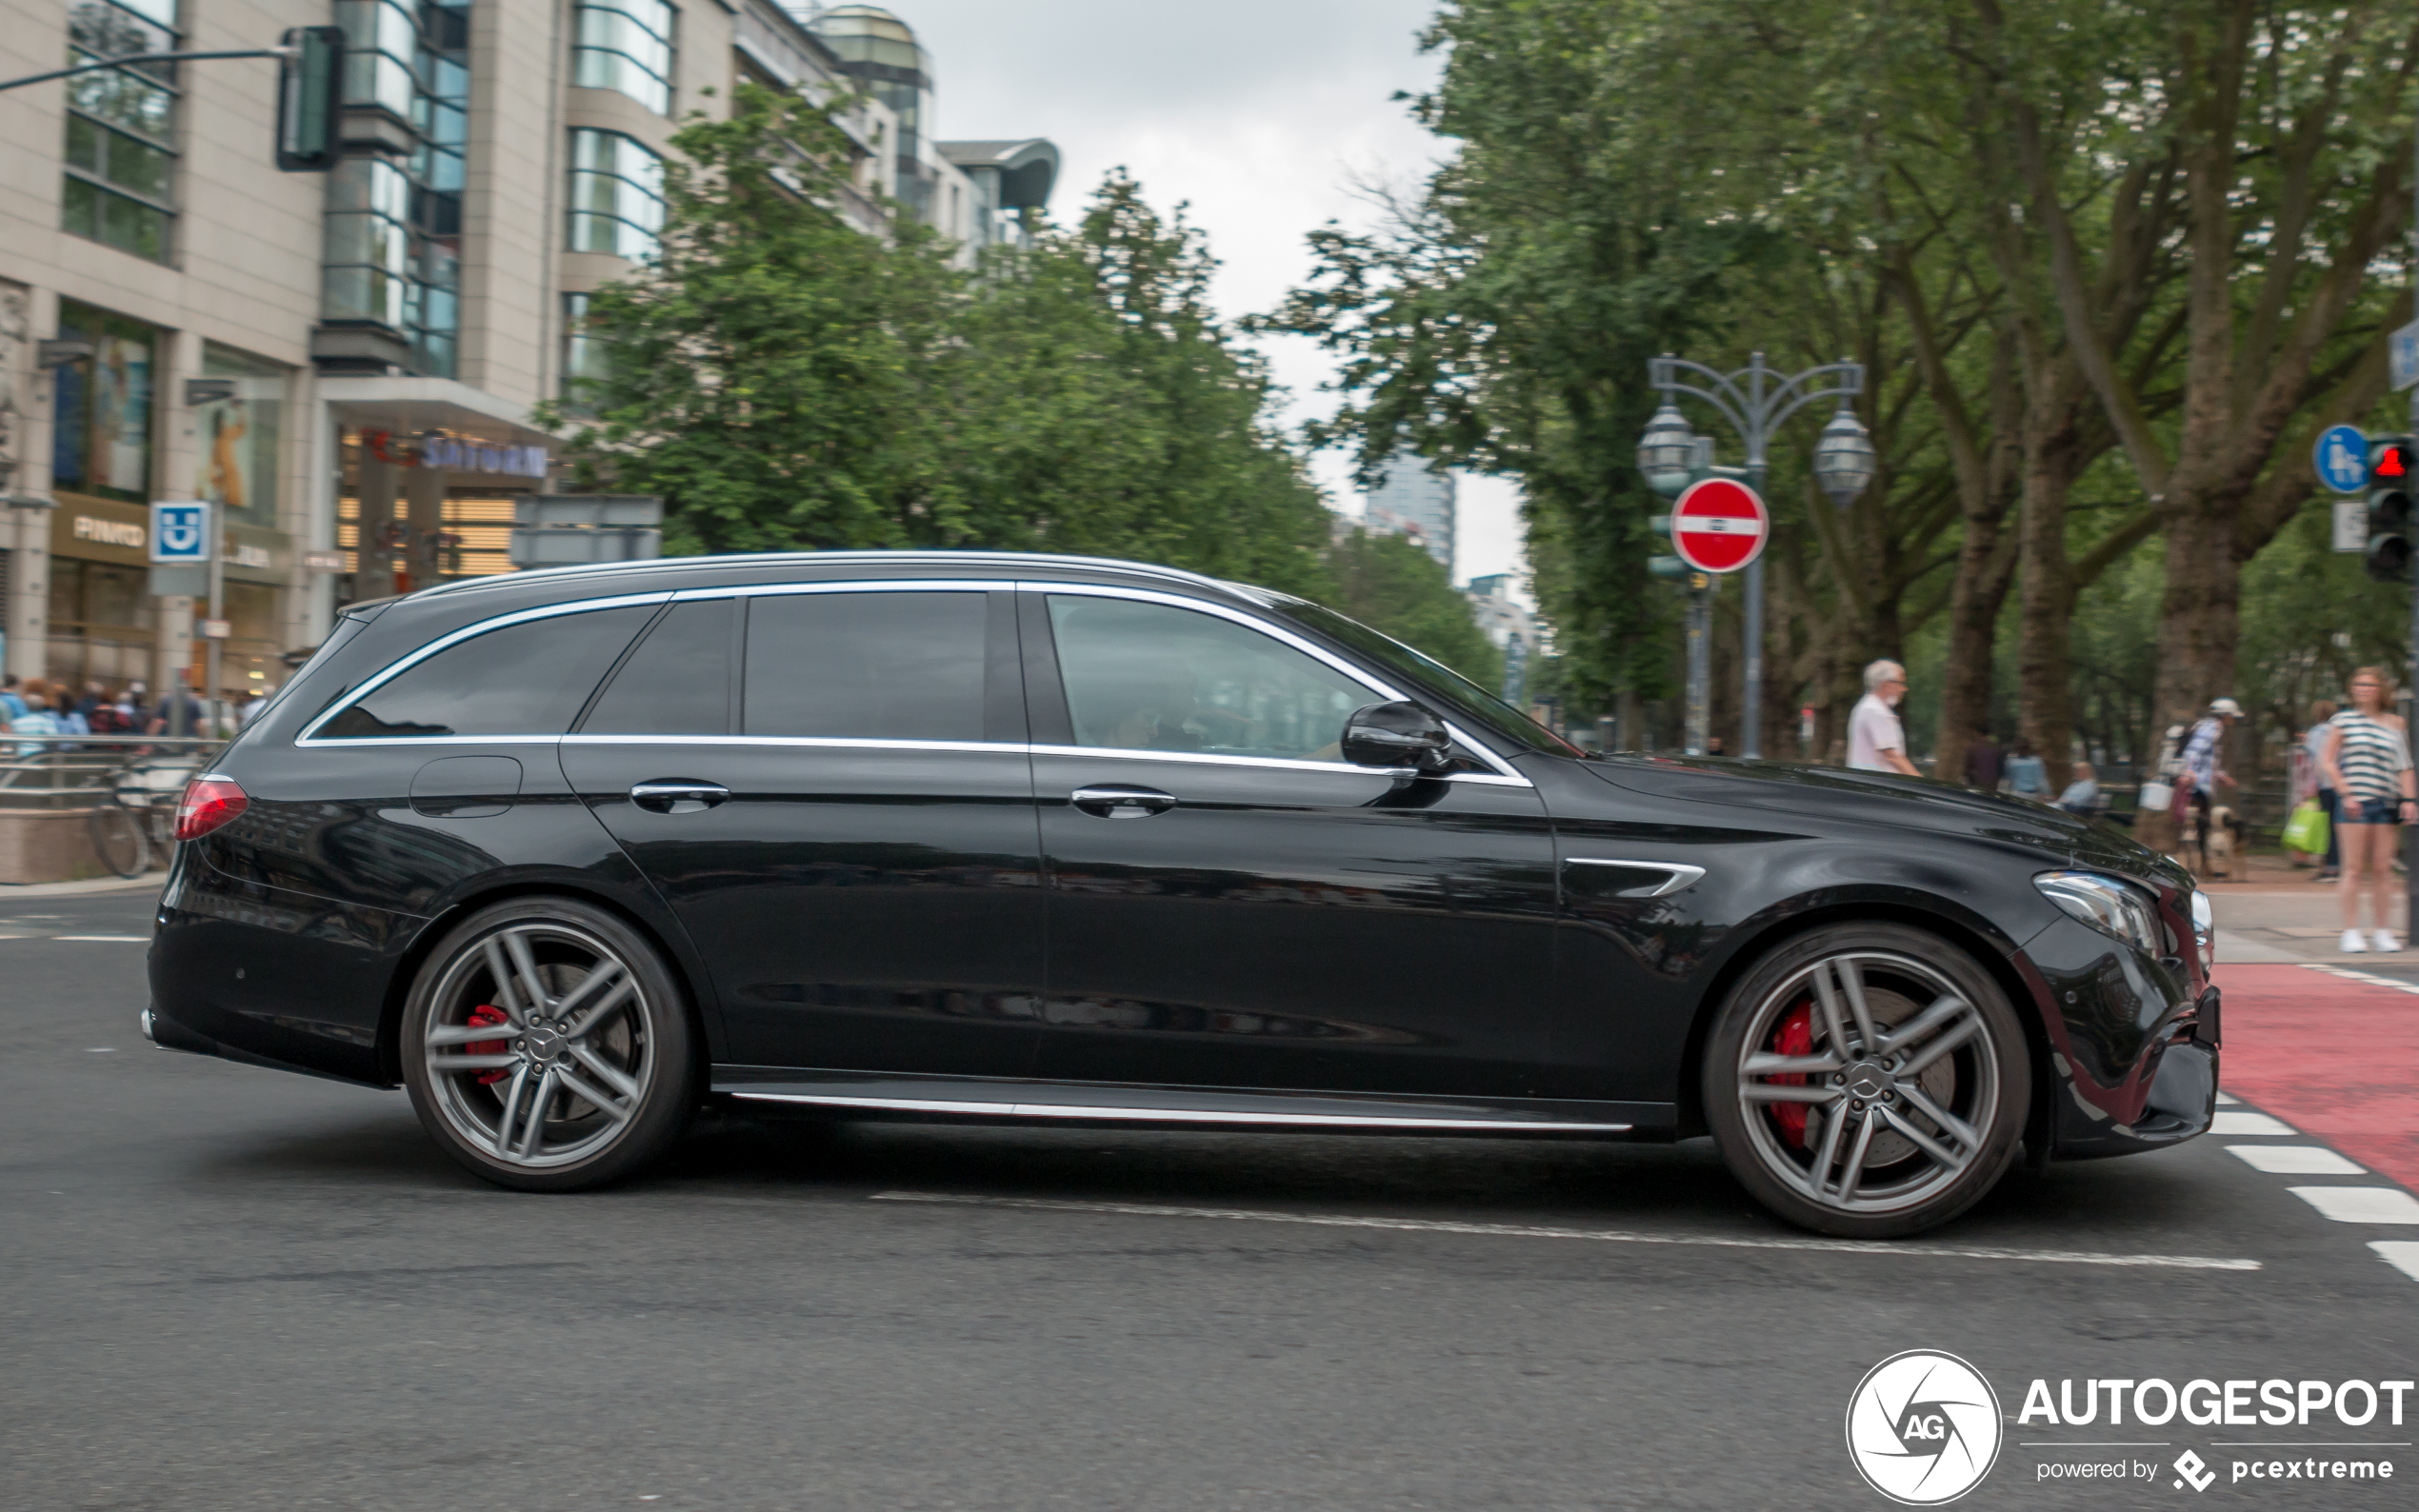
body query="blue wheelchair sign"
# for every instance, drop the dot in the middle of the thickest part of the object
(2342, 459)
(180, 533)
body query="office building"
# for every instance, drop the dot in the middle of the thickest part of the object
(1512, 627)
(1415, 501)
(345, 362)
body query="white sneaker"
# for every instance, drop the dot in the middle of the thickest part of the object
(2354, 943)
(2384, 940)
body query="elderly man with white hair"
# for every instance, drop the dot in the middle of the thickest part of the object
(1876, 741)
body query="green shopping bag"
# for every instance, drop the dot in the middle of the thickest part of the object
(2307, 831)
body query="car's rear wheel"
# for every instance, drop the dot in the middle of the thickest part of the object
(546, 1046)
(1867, 1080)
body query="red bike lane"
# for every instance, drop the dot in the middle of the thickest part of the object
(2337, 1058)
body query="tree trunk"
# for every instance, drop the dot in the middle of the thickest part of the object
(2199, 615)
(2043, 680)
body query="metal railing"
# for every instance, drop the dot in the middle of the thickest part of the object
(50, 772)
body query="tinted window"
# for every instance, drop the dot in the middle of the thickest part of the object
(677, 682)
(866, 665)
(1433, 681)
(1149, 677)
(527, 679)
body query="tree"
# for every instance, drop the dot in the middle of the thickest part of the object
(1390, 584)
(784, 380)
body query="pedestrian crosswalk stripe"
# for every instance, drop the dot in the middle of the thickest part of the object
(2361, 1204)
(2402, 1254)
(2253, 1123)
(2293, 1160)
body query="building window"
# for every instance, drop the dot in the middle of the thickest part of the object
(626, 45)
(120, 126)
(585, 355)
(617, 195)
(100, 407)
(235, 462)
(394, 234)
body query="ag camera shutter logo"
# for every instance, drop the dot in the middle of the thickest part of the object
(1923, 1427)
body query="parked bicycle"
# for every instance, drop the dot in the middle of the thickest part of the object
(127, 788)
(137, 820)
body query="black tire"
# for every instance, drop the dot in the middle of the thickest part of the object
(595, 1080)
(1898, 1134)
(117, 839)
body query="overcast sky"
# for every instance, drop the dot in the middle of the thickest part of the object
(1262, 114)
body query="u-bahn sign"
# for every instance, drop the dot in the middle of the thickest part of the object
(1719, 526)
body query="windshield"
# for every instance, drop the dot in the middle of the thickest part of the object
(1426, 675)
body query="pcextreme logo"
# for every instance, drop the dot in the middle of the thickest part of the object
(1923, 1427)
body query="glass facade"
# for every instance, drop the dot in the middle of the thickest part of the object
(121, 156)
(617, 195)
(100, 407)
(626, 45)
(585, 353)
(880, 52)
(394, 225)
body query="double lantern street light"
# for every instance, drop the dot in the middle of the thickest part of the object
(1756, 401)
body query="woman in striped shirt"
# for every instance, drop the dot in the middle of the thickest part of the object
(2367, 760)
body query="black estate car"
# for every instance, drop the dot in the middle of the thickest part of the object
(939, 835)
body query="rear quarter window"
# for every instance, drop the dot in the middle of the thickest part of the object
(527, 679)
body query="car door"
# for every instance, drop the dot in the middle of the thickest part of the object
(828, 785)
(1231, 904)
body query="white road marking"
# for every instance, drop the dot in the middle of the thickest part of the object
(2402, 1254)
(2361, 1204)
(2293, 1160)
(2350, 975)
(1429, 1225)
(108, 938)
(2226, 1100)
(100, 1049)
(2253, 1123)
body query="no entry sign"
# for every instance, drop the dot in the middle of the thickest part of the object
(1719, 526)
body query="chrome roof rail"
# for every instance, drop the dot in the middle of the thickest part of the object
(1009, 559)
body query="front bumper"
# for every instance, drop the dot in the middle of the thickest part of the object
(2132, 1048)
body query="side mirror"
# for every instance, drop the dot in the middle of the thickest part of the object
(1397, 734)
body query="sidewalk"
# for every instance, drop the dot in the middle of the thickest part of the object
(151, 880)
(2275, 914)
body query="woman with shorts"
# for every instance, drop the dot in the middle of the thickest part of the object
(2369, 761)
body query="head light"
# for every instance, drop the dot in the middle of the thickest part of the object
(2105, 903)
(2205, 931)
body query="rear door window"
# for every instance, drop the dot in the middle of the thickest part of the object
(906, 666)
(677, 682)
(525, 679)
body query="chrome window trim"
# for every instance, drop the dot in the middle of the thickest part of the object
(310, 733)
(1681, 874)
(1308, 647)
(1504, 775)
(1158, 1115)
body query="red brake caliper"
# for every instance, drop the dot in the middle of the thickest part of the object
(1794, 1037)
(487, 1015)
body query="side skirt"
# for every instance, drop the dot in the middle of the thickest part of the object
(899, 1096)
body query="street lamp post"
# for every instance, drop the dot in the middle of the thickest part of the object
(1757, 401)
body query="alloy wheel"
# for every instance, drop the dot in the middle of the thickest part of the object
(536, 1045)
(1868, 1082)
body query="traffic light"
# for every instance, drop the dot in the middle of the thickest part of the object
(2391, 461)
(311, 99)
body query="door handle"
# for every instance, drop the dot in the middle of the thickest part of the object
(1122, 803)
(678, 795)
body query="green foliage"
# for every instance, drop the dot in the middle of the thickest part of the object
(1392, 585)
(787, 382)
(2298, 596)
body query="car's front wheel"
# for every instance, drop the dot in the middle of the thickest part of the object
(546, 1046)
(1867, 1080)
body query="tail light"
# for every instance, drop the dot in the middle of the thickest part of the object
(209, 801)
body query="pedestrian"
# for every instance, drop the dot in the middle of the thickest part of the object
(36, 720)
(11, 703)
(2199, 770)
(1876, 741)
(2083, 794)
(2028, 774)
(179, 713)
(254, 704)
(1986, 762)
(2367, 758)
(2314, 742)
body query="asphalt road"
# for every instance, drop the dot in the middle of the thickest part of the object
(225, 1287)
